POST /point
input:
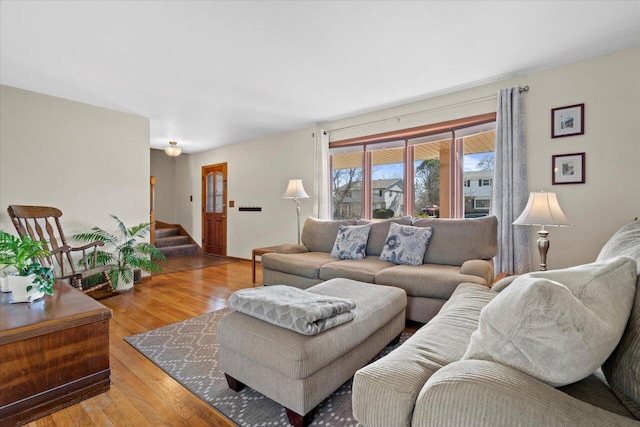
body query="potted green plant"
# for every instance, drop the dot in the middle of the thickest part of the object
(125, 252)
(31, 279)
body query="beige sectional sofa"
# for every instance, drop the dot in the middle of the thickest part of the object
(460, 250)
(430, 380)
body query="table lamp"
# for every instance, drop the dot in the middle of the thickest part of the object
(543, 209)
(295, 191)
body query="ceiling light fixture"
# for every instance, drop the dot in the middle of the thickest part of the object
(173, 150)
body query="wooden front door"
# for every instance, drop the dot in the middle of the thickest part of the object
(214, 209)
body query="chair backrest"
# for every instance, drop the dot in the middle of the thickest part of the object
(41, 223)
(38, 222)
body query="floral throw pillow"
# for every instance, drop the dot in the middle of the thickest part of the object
(406, 244)
(351, 242)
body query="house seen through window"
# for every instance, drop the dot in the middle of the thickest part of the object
(437, 174)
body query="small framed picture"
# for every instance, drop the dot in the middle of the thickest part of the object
(567, 121)
(567, 169)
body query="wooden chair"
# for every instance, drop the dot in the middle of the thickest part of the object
(43, 223)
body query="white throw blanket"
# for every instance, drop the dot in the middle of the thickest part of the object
(293, 308)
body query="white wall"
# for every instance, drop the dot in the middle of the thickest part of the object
(257, 175)
(163, 168)
(609, 86)
(87, 161)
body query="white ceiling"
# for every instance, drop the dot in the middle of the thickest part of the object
(210, 73)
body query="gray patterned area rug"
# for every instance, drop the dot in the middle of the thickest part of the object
(188, 352)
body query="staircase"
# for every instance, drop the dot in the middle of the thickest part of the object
(171, 243)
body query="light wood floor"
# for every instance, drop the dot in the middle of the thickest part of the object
(142, 394)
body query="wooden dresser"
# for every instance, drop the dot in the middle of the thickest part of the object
(53, 353)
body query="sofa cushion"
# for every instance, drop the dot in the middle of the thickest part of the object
(625, 242)
(272, 277)
(384, 392)
(427, 280)
(351, 242)
(541, 318)
(405, 244)
(290, 248)
(622, 369)
(303, 264)
(379, 231)
(455, 241)
(320, 235)
(363, 270)
(595, 391)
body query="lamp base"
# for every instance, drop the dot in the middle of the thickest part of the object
(298, 214)
(543, 247)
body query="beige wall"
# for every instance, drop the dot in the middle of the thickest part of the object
(257, 175)
(87, 161)
(609, 86)
(163, 167)
(610, 89)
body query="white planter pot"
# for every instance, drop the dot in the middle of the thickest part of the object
(124, 285)
(4, 272)
(4, 284)
(19, 284)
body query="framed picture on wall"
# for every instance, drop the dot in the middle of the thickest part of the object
(567, 169)
(567, 121)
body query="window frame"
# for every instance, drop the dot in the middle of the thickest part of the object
(456, 160)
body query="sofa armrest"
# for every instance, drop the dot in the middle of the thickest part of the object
(501, 284)
(478, 267)
(288, 248)
(479, 392)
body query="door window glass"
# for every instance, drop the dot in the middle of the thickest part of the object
(209, 192)
(219, 191)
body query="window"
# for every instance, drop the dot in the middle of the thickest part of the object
(346, 183)
(482, 204)
(442, 170)
(430, 174)
(387, 179)
(479, 147)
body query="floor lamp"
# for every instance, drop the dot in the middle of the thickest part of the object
(543, 209)
(295, 191)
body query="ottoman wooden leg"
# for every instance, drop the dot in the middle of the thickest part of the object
(233, 383)
(298, 420)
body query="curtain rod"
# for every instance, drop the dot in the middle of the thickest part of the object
(442, 107)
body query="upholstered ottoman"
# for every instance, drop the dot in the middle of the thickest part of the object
(300, 371)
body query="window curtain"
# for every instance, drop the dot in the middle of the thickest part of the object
(510, 192)
(322, 202)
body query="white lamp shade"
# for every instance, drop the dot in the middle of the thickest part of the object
(543, 209)
(295, 190)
